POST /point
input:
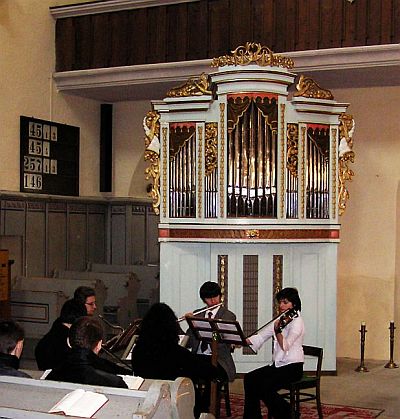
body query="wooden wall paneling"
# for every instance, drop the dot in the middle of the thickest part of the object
(138, 235)
(337, 23)
(313, 26)
(35, 239)
(386, 25)
(157, 34)
(240, 24)
(97, 234)
(326, 24)
(101, 40)
(152, 244)
(396, 21)
(374, 22)
(263, 18)
(349, 24)
(65, 44)
(57, 238)
(177, 32)
(280, 26)
(218, 36)
(14, 224)
(118, 234)
(302, 19)
(197, 44)
(119, 39)
(83, 42)
(291, 25)
(77, 237)
(137, 39)
(361, 22)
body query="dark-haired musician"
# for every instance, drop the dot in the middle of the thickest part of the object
(264, 383)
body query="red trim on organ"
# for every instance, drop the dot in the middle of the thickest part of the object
(242, 234)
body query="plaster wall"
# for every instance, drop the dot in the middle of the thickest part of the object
(368, 253)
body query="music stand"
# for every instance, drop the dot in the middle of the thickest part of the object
(216, 331)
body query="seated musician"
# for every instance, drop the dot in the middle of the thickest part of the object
(87, 297)
(11, 345)
(158, 355)
(53, 348)
(210, 293)
(264, 383)
(80, 365)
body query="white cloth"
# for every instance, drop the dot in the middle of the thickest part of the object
(292, 334)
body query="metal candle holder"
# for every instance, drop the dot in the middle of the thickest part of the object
(391, 363)
(363, 331)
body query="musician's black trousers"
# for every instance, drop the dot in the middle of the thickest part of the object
(263, 384)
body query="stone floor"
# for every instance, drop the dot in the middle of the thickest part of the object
(379, 388)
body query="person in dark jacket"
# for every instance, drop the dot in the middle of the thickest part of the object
(80, 366)
(53, 348)
(11, 345)
(158, 355)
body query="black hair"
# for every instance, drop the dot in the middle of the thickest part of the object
(10, 334)
(85, 333)
(159, 330)
(81, 293)
(209, 289)
(292, 295)
(71, 311)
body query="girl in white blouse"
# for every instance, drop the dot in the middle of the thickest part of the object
(264, 383)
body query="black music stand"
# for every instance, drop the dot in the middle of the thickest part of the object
(216, 331)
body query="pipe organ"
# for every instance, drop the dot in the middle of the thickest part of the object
(249, 165)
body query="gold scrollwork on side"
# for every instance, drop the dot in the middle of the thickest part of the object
(346, 156)
(253, 52)
(282, 193)
(211, 147)
(151, 125)
(334, 168)
(292, 151)
(303, 168)
(307, 87)
(195, 86)
(164, 162)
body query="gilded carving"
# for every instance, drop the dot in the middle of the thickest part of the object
(307, 87)
(252, 234)
(222, 159)
(346, 156)
(277, 279)
(164, 180)
(282, 159)
(254, 53)
(334, 168)
(211, 147)
(151, 125)
(200, 172)
(195, 86)
(292, 150)
(303, 169)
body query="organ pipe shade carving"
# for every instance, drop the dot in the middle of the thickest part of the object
(292, 179)
(346, 156)
(211, 170)
(252, 155)
(182, 170)
(317, 171)
(151, 125)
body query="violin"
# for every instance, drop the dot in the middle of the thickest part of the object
(285, 318)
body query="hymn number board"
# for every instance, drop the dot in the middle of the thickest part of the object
(49, 157)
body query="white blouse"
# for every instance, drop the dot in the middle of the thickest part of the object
(292, 334)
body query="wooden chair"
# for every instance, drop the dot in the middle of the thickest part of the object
(223, 393)
(295, 391)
